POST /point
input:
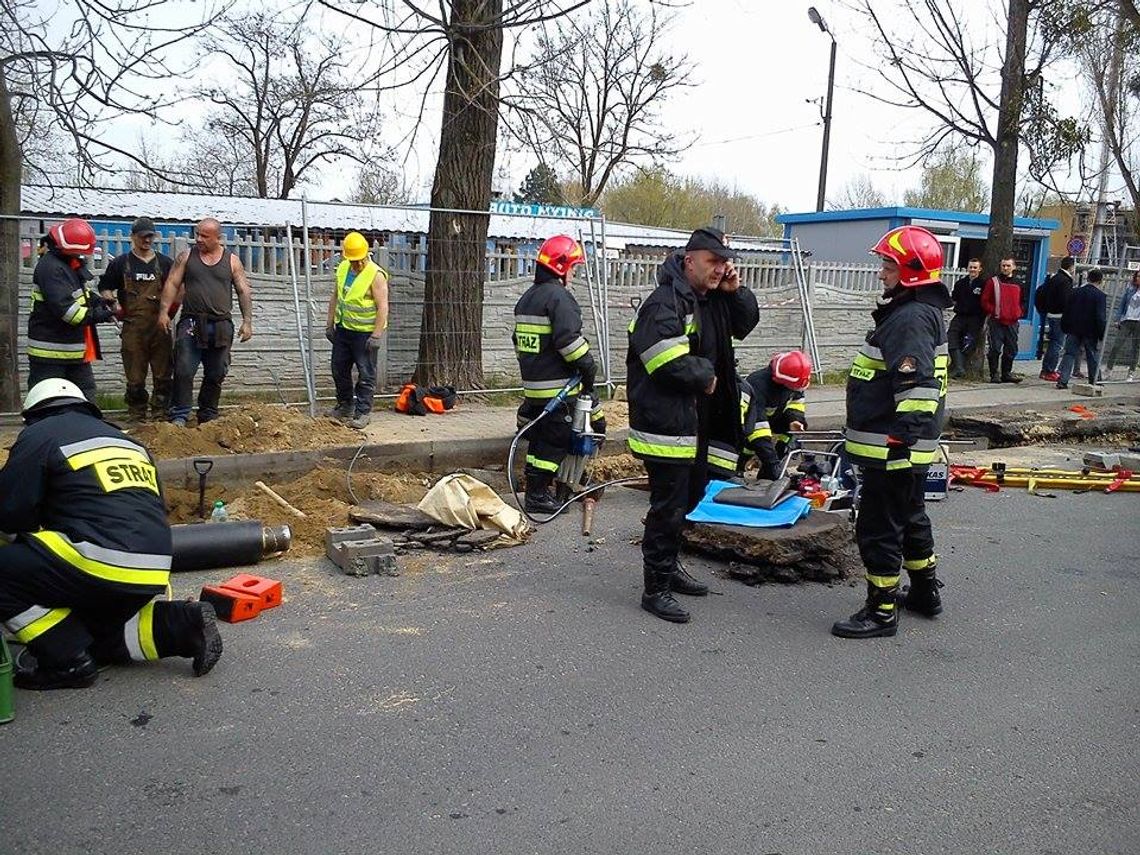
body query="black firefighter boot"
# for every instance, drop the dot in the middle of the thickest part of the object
(957, 364)
(539, 499)
(680, 582)
(878, 618)
(78, 673)
(922, 595)
(658, 599)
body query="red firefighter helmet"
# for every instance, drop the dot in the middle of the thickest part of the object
(560, 253)
(73, 237)
(917, 253)
(792, 369)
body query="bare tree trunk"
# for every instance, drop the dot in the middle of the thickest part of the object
(10, 168)
(451, 334)
(1003, 189)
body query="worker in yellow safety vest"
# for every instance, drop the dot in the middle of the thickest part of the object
(358, 317)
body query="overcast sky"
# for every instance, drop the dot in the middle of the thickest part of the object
(756, 65)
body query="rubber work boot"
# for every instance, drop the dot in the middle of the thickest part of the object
(339, 413)
(540, 502)
(958, 360)
(79, 673)
(658, 599)
(207, 643)
(360, 422)
(922, 595)
(539, 499)
(680, 582)
(878, 618)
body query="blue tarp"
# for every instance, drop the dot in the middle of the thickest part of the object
(786, 513)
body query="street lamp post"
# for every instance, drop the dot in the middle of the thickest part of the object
(817, 19)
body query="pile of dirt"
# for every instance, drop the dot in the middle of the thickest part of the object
(253, 428)
(322, 495)
(615, 466)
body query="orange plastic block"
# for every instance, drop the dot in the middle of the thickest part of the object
(231, 606)
(268, 590)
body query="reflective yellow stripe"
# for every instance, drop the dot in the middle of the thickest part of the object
(882, 581)
(898, 464)
(539, 463)
(916, 405)
(146, 631)
(797, 405)
(102, 455)
(534, 328)
(45, 353)
(578, 352)
(922, 458)
(759, 433)
(66, 552)
(659, 445)
(669, 355)
(41, 625)
(863, 361)
(543, 392)
(919, 563)
(875, 452)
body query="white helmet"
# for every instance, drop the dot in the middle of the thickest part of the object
(54, 392)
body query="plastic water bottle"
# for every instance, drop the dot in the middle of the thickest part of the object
(219, 513)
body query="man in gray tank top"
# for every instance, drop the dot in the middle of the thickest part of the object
(204, 280)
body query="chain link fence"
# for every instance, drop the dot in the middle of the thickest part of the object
(291, 268)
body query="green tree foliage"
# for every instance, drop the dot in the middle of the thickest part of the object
(660, 198)
(951, 180)
(541, 186)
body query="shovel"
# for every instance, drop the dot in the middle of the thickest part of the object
(202, 465)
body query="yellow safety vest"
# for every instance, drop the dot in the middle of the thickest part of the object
(355, 309)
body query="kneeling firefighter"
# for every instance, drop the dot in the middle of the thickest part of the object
(776, 407)
(896, 405)
(551, 350)
(91, 548)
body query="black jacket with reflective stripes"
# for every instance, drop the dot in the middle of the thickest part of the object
(86, 495)
(62, 310)
(770, 412)
(677, 344)
(897, 385)
(549, 343)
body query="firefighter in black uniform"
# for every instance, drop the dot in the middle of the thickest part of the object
(551, 350)
(896, 404)
(776, 408)
(62, 341)
(89, 549)
(684, 405)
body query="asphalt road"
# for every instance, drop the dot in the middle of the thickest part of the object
(520, 701)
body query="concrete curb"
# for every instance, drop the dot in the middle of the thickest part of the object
(451, 454)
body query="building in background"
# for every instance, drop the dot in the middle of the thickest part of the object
(845, 237)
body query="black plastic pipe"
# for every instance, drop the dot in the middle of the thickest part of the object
(210, 546)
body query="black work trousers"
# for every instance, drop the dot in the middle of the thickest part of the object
(58, 612)
(963, 338)
(674, 490)
(892, 525)
(1003, 346)
(350, 350)
(79, 373)
(548, 442)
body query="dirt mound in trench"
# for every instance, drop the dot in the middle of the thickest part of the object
(322, 494)
(252, 429)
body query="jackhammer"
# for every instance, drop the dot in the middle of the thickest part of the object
(572, 483)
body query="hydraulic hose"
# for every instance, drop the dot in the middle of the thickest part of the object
(547, 410)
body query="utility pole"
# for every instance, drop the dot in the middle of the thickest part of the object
(817, 19)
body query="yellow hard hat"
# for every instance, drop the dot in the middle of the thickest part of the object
(355, 246)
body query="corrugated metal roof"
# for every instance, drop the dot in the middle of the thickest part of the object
(107, 203)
